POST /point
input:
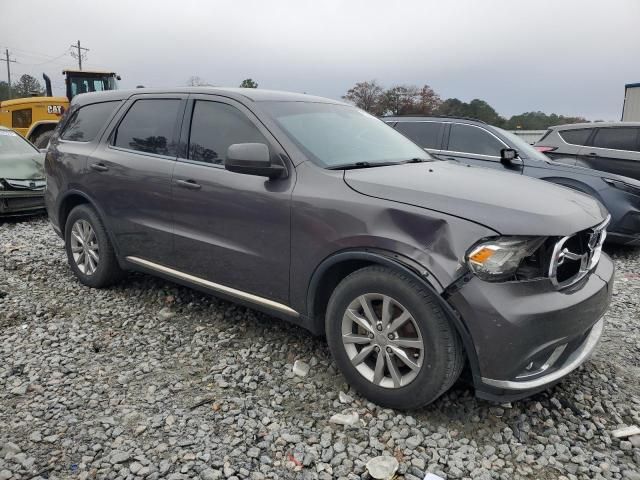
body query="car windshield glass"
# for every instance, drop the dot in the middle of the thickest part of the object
(11, 144)
(339, 135)
(523, 147)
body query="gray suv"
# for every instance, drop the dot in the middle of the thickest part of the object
(316, 212)
(609, 147)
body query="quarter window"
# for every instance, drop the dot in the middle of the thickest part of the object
(425, 134)
(578, 136)
(21, 118)
(470, 139)
(619, 138)
(85, 123)
(149, 127)
(215, 126)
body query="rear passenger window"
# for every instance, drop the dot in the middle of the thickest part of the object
(425, 134)
(85, 123)
(619, 138)
(149, 127)
(470, 139)
(215, 126)
(578, 136)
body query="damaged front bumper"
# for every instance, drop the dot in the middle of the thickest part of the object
(529, 335)
(19, 200)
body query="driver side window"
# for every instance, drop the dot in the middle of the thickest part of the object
(472, 139)
(215, 126)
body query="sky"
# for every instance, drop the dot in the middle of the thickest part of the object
(570, 57)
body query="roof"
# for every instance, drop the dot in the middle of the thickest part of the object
(571, 126)
(20, 101)
(418, 118)
(75, 70)
(253, 94)
(632, 85)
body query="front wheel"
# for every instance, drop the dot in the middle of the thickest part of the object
(391, 339)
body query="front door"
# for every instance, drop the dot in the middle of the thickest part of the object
(230, 228)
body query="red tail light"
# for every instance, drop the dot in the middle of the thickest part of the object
(545, 149)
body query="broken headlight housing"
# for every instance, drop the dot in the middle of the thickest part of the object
(497, 259)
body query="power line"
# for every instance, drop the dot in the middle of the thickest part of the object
(53, 60)
(9, 62)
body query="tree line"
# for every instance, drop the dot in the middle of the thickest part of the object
(414, 100)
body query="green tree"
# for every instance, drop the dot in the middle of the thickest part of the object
(27, 86)
(477, 109)
(4, 90)
(248, 83)
(539, 121)
(367, 96)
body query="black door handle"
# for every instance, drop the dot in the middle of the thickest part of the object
(190, 184)
(99, 167)
(593, 154)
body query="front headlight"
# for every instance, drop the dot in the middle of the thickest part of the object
(498, 258)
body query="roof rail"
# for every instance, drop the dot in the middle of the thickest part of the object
(434, 116)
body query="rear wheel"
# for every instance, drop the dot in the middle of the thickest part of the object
(391, 339)
(89, 250)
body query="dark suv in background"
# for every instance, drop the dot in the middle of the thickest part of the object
(610, 147)
(314, 211)
(473, 142)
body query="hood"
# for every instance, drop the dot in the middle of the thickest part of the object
(506, 202)
(577, 169)
(25, 166)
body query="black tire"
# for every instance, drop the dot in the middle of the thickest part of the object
(42, 140)
(108, 270)
(443, 351)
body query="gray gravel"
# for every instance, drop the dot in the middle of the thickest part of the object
(151, 380)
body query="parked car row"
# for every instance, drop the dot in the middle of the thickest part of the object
(316, 212)
(473, 142)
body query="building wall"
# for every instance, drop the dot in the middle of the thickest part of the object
(631, 111)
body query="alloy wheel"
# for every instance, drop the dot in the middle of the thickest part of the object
(382, 340)
(84, 247)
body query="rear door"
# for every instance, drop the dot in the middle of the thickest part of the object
(129, 175)
(426, 133)
(474, 145)
(230, 228)
(615, 150)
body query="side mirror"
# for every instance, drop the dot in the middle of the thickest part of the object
(252, 159)
(509, 157)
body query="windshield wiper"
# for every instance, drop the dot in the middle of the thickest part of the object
(351, 166)
(416, 160)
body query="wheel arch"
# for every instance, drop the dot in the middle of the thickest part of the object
(39, 127)
(337, 266)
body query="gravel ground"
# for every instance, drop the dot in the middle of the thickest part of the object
(151, 380)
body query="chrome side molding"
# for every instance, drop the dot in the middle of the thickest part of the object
(214, 286)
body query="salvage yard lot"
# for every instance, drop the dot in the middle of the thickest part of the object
(151, 380)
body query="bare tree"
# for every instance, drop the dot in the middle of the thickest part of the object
(429, 101)
(195, 81)
(366, 95)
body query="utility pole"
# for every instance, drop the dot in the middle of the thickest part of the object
(9, 61)
(79, 54)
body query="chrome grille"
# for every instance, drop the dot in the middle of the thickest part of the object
(576, 255)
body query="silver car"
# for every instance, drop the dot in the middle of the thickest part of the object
(607, 146)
